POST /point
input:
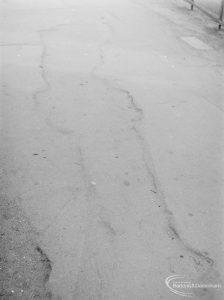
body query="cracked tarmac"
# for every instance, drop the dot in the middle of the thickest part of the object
(111, 172)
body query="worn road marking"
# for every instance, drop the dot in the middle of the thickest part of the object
(196, 43)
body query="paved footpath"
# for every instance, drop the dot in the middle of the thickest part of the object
(112, 148)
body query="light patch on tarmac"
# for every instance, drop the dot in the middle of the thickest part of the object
(196, 43)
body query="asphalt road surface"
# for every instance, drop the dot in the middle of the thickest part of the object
(111, 150)
(213, 5)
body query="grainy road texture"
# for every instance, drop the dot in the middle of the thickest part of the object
(213, 5)
(111, 149)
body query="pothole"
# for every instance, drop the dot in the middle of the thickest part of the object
(24, 266)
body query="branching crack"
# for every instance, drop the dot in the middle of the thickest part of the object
(156, 189)
(131, 98)
(43, 73)
(196, 253)
(145, 152)
(172, 228)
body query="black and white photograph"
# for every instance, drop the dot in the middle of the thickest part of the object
(111, 149)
